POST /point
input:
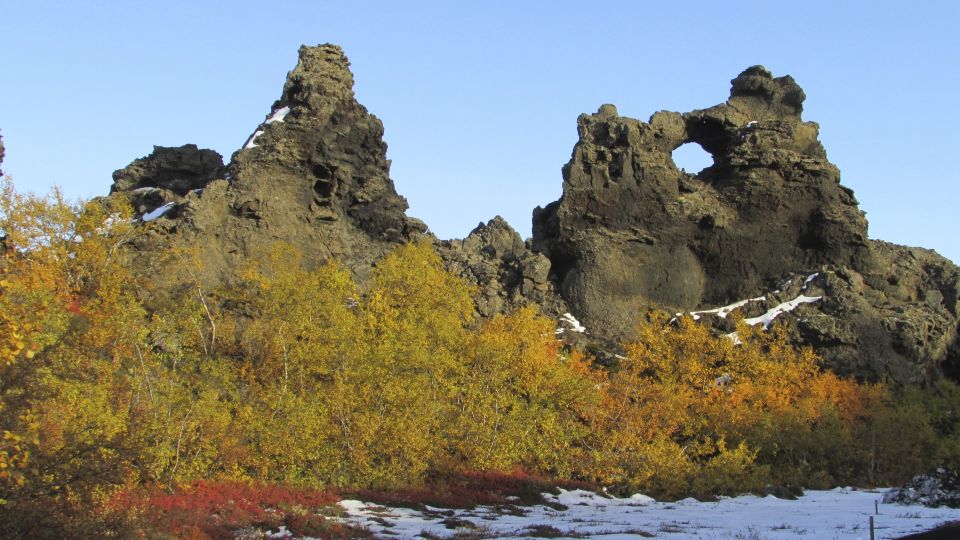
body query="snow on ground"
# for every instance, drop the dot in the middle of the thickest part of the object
(839, 513)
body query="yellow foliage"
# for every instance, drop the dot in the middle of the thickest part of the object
(521, 398)
(723, 416)
(392, 403)
(68, 301)
(369, 378)
(300, 375)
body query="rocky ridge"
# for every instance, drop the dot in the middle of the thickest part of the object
(631, 231)
(314, 174)
(770, 203)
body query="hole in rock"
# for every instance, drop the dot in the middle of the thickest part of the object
(323, 188)
(692, 158)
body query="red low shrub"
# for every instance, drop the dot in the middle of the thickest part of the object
(216, 509)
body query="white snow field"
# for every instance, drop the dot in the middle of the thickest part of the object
(839, 513)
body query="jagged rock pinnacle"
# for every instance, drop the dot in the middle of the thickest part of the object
(314, 174)
(757, 91)
(321, 76)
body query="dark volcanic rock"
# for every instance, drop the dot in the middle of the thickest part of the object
(632, 231)
(167, 175)
(895, 319)
(892, 320)
(314, 174)
(322, 147)
(179, 170)
(939, 488)
(508, 274)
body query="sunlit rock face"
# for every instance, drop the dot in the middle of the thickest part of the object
(635, 230)
(632, 231)
(313, 174)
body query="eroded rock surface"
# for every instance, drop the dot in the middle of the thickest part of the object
(507, 272)
(167, 175)
(632, 232)
(180, 169)
(313, 174)
(896, 318)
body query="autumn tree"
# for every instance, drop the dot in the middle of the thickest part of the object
(395, 401)
(76, 325)
(521, 398)
(687, 411)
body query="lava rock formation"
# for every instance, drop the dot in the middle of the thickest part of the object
(314, 174)
(631, 231)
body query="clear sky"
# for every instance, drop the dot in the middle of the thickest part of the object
(479, 98)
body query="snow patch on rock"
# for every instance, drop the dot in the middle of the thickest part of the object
(278, 115)
(569, 322)
(767, 318)
(250, 142)
(157, 212)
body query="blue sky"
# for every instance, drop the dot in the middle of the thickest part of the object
(480, 99)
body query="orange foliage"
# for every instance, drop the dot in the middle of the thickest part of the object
(689, 412)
